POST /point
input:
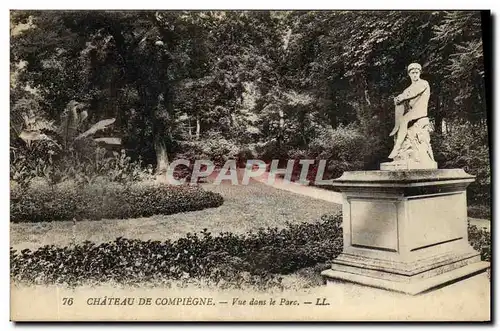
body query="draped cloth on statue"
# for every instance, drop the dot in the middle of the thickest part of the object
(415, 151)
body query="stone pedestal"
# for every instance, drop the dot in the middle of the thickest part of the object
(408, 165)
(405, 230)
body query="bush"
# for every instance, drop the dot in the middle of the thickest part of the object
(28, 164)
(254, 258)
(480, 240)
(246, 153)
(271, 150)
(251, 257)
(213, 147)
(343, 148)
(68, 200)
(466, 147)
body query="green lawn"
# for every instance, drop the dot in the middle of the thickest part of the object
(245, 208)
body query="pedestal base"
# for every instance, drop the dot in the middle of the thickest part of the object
(412, 288)
(407, 165)
(405, 231)
(410, 278)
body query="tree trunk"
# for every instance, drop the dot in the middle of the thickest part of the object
(281, 127)
(367, 98)
(161, 155)
(198, 128)
(160, 133)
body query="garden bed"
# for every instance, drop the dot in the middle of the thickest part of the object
(245, 208)
(223, 258)
(67, 201)
(228, 260)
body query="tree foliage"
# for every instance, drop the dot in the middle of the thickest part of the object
(252, 77)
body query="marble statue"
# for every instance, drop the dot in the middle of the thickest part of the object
(412, 148)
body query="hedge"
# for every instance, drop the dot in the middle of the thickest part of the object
(223, 258)
(255, 258)
(106, 201)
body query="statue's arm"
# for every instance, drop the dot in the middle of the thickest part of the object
(411, 93)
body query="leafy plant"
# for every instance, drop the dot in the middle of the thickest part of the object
(480, 239)
(97, 165)
(70, 200)
(72, 120)
(226, 260)
(465, 146)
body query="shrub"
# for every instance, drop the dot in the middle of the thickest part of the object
(466, 146)
(43, 203)
(480, 239)
(271, 150)
(343, 148)
(37, 162)
(115, 167)
(68, 200)
(26, 164)
(226, 258)
(246, 153)
(213, 147)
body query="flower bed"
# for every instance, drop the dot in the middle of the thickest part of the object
(252, 258)
(67, 201)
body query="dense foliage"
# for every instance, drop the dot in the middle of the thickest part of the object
(254, 258)
(466, 146)
(223, 258)
(68, 201)
(480, 239)
(247, 83)
(36, 165)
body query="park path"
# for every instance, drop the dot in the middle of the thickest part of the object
(310, 191)
(279, 183)
(335, 197)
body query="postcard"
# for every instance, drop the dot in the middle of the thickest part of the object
(279, 165)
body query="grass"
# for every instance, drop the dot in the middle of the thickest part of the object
(245, 208)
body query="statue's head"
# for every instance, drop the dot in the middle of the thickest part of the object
(414, 71)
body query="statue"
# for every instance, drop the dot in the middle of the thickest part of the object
(412, 148)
